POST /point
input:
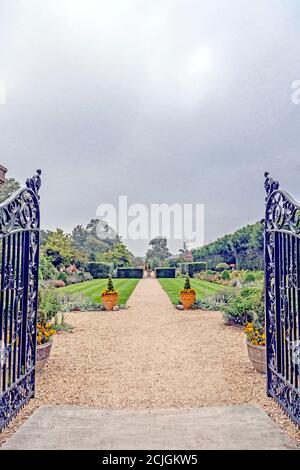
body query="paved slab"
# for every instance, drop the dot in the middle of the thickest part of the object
(71, 427)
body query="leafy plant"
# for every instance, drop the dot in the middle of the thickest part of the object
(110, 288)
(49, 304)
(187, 287)
(249, 277)
(225, 276)
(245, 307)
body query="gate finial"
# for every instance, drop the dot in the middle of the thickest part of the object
(270, 184)
(35, 182)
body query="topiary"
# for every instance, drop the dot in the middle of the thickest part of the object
(187, 285)
(110, 288)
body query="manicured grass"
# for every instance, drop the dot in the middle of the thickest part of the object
(93, 289)
(173, 286)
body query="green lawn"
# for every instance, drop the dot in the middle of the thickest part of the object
(202, 288)
(93, 289)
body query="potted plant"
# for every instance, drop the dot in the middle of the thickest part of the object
(256, 345)
(187, 295)
(109, 296)
(45, 331)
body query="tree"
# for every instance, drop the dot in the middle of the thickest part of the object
(59, 248)
(8, 188)
(119, 255)
(158, 251)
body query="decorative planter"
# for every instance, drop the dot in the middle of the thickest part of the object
(110, 300)
(42, 354)
(257, 355)
(187, 299)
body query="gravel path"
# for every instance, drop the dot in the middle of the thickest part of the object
(151, 355)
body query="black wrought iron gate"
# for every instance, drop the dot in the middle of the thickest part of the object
(19, 258)
(282, 297)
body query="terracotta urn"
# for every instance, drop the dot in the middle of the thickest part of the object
(187, 299)
(110, 300)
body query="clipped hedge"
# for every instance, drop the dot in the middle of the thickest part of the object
(165, 272)
(98, 270)
(130, 273)
(193, 268)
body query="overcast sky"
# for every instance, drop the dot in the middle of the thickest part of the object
(161, 100)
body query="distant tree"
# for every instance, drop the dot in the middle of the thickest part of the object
(158, 251)
(8, 188)
(119, 255)
(59, 248)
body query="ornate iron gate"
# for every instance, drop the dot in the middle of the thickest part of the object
(19, 252)
(282, 297)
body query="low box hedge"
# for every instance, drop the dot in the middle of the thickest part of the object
(165, 272)
(193, 268)
(130, 273)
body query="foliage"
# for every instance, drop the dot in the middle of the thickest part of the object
(8, 189)
(243, 248)
(110, 288)
(46, 268)
(49, 304)
(130, 273)
(159, 251)
(249, 277)
(59, 248)
(246, 306)
(119, 256)
(225, 276)
(165, 272)
(218, 300)
(222, 266)
(45, 332)
(62, 277)
(98, 270)
(187, 287)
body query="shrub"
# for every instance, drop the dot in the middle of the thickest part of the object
(165, 272)
(98, 270)
(49, 304)
(222, 266)
(110, 288)
(245, 307)
(218, 300)
(248, 277)
(62, 277)
(225, 276)
(187, 287)
(130, 273)
(46, 269)
(79, 303)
